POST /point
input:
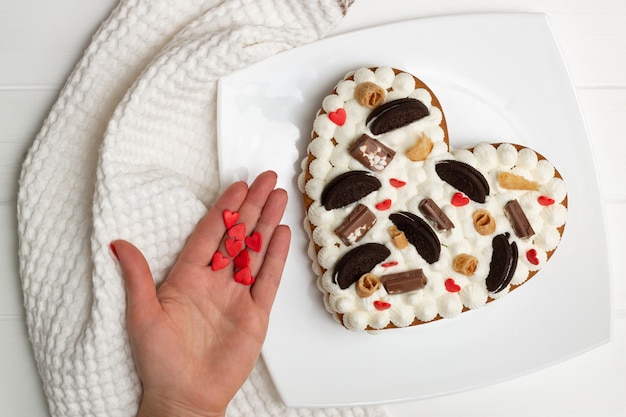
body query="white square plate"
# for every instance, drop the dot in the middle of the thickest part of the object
(499, 77)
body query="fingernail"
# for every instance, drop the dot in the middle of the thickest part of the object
(114, 251)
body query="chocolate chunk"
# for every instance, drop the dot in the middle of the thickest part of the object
(372, 153)
(357, 262)
(419, 234)
(406, 281)
(356, 225)
(432, 212)
(503, 263)
(519, 221)
(396, 114)
(464, 178)
(348, 188)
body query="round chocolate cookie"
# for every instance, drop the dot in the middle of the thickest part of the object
(404, 230)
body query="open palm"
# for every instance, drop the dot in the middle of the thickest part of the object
(196, 338)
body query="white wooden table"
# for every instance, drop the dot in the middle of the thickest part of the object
(40, 41)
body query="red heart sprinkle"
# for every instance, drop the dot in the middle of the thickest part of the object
(545, 200)
(233, 247)
(381, 305)
(531, 255)
(389, 264)
(254, 241)
(384, 205)
(338, 117)
(459, 200)
(230, 218)
(244, 276)
(397, 183)
(219, 261)
(238, 231)
(242, 259)
(452, 286)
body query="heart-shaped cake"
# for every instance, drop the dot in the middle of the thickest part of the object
(404, 229)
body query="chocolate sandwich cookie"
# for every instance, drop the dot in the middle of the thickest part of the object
(504, 258)
(348, 188)
(358, 262)
(464, 178)
(396, 114)
(419, 234)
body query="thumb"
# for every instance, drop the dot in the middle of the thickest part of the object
(140, 289)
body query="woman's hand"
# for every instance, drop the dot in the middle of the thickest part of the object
(196, 338)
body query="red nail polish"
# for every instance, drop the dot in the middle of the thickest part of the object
(114, 251)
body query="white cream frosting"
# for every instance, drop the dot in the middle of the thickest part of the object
(329, 147)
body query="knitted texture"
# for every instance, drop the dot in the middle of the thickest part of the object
(129, 151)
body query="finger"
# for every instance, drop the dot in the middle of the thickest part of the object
(248, 262)
(257, 197)
(141, 299)
(267, 222)
(206, 237)
(264, 289)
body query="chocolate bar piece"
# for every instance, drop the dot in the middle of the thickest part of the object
(406, 281)
(519, 221)
(432, 212)
(356, 225)
(371, 153)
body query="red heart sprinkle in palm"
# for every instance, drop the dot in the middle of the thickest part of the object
(545, 200)
(238, 231)
(230, 218)
(531, 255)
(459, 200)
(452, 286)
(244, 276)
(396, 183)
(233, 247)
(381, 305)
(254, 241)
(242, 259)
(338, 117)
(384, 205)
(219, 261)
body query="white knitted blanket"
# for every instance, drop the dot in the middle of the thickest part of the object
(129, 151)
